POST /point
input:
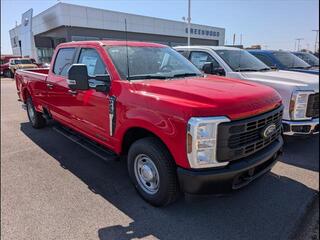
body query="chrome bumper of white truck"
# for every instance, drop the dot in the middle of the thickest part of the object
(301, 127)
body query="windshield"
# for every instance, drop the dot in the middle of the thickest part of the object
(23, 61)
(308, 58)
(240, 60)
(150, 62)
(289, 60)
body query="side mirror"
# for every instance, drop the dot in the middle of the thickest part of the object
(274, 67)
(101, 83)
(78, 78)
(208, 68)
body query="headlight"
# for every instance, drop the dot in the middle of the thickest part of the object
(202, 141)
(299, 104)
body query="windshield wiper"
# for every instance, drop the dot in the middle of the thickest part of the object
(149, 76)
(264, 69)
(299, 67)
(185, 75)
(246, 70)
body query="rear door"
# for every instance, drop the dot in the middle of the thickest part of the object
(59, 99)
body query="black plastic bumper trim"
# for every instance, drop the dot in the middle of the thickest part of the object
(233, 176)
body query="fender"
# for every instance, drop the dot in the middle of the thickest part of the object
(167, 128)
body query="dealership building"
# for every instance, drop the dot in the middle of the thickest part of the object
(37, 36)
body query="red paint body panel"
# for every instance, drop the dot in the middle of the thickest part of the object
(162, 107)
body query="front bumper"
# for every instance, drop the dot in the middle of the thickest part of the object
(301, 127)
(235, 175)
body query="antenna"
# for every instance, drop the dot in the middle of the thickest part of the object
(126, 32)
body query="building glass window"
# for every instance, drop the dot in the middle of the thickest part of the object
(218, 34)
(191, 30)
(45, 54)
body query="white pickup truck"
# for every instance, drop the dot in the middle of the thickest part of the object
(299, 91)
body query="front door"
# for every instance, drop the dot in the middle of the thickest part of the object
(93, 112)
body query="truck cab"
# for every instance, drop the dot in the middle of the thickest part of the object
(309, 58)
(299, 91)
(180, 130)
(284, 60)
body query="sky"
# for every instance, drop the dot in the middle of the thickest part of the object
(274, 24)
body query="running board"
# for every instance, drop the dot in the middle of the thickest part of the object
(86, 143)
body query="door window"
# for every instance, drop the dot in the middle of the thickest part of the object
(92, 59)
(63, 61)
(200, 58)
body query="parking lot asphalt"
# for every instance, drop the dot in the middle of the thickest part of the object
(51, 188)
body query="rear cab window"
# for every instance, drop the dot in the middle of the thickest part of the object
(63, 61)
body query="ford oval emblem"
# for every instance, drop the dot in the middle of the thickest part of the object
(269, 130)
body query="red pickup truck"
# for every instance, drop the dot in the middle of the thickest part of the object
(181, 130)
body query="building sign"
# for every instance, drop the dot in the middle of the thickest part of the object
(210, 33)
(26, 36)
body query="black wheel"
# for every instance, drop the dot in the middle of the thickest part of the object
(36, 119)
(8, 74)
(153, 172)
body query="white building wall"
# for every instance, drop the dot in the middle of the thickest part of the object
(63, 14)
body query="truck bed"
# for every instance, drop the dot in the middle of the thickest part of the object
(24, 77)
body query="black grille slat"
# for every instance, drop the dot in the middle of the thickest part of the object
(313, 106)
(241, 138)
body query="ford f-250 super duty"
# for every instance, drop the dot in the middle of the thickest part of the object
(181, 130)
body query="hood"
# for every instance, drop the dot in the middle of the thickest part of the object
(299, 80)
(20, 66)
(207, 96)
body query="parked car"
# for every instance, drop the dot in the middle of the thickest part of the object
(20, 63)
(283, 60)
(309, 58)
(299, 91)
(181, 130)
(4, 65)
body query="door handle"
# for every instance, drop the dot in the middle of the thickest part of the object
(72, 92)
(50, 86)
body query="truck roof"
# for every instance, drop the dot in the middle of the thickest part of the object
(208, 47)
(112, 43)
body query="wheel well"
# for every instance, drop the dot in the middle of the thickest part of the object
(26, 94)
(133, 135)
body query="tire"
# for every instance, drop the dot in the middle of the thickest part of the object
(8, 74)
(149, 155)
(36, 119)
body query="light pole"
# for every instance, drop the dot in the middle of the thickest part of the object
(315, 44)
(188, 20)
(299, 39)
